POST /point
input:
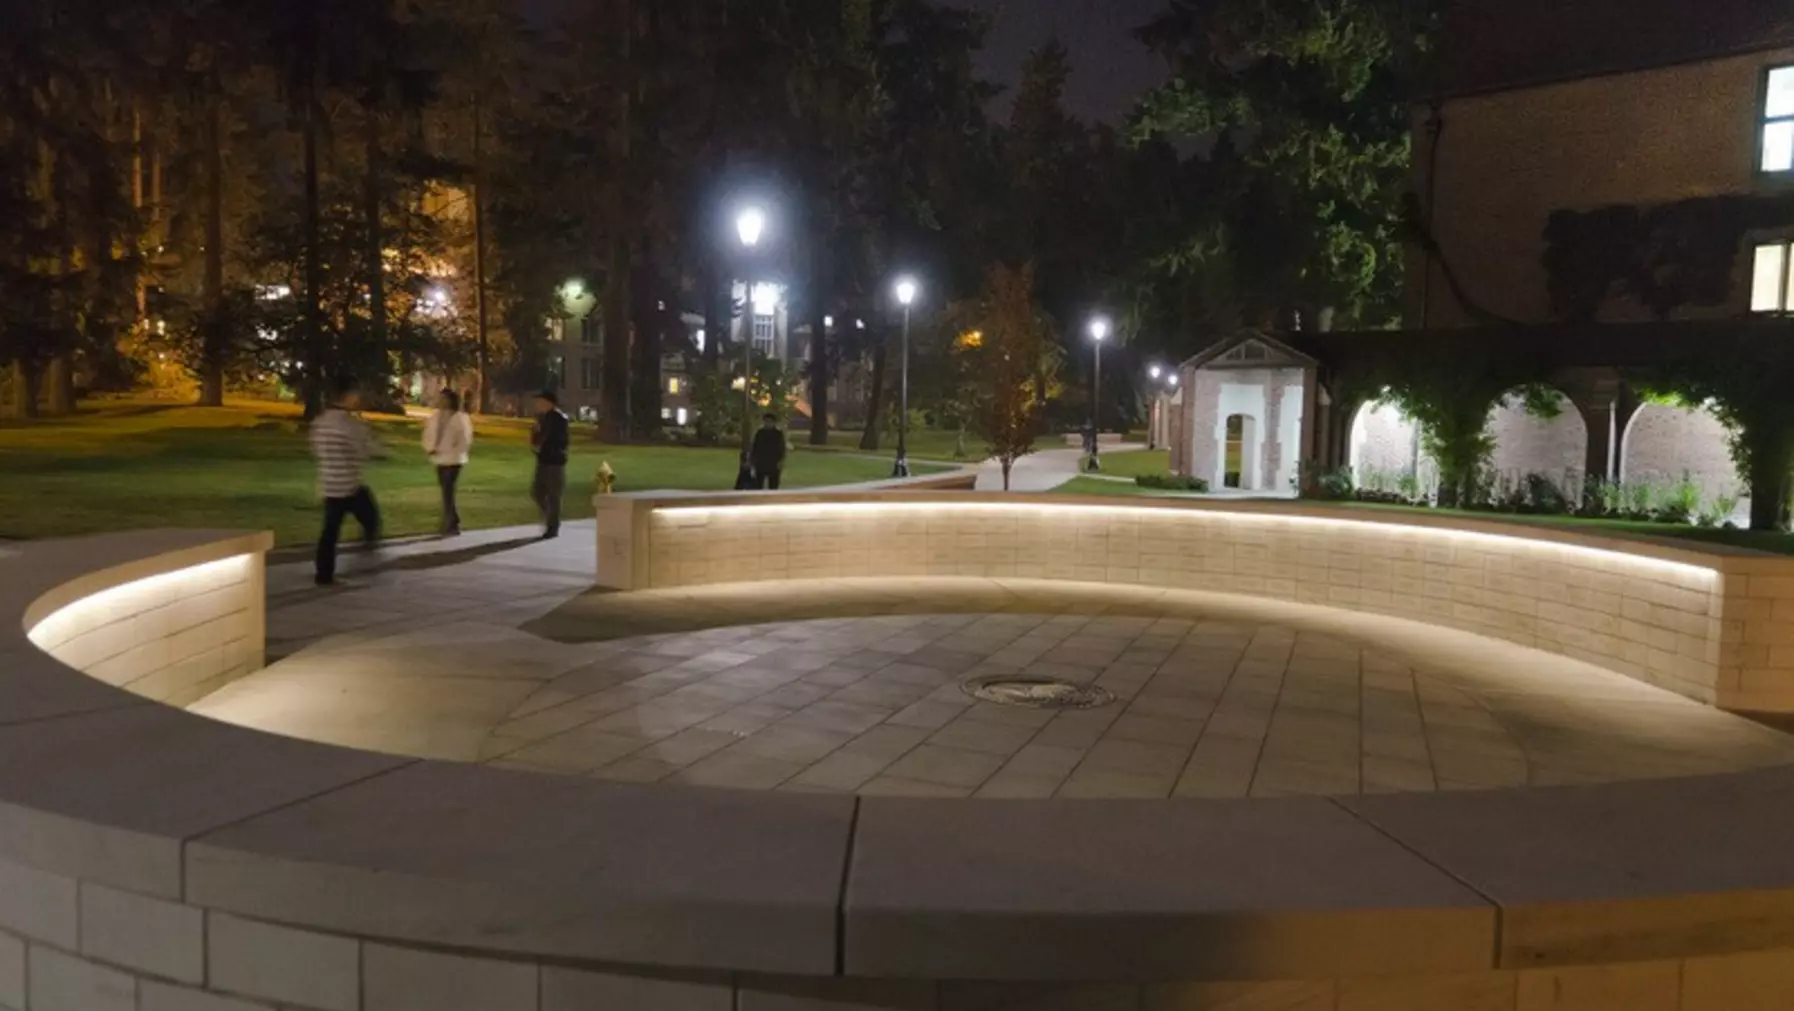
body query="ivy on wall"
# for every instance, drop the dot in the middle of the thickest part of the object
(1666, 257)
(1748, 388)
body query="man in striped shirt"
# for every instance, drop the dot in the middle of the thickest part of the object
(341, 442)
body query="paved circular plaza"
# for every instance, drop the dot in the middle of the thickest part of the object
(860, 686)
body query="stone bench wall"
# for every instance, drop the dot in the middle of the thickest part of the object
(70, 946)
(151, 860)
(1702, 623)
(172, 638)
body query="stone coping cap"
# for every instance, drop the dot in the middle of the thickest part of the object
(133, 795)
(1732, 557)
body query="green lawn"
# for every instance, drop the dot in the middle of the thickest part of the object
(1113, 489)
(128, 464)
(924, 444)
(1135, 464)
(1775, 543)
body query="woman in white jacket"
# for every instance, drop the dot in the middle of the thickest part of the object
(448, 435)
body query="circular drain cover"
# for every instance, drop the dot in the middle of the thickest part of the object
(1037, 693)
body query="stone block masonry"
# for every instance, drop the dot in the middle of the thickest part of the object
(1697, 622)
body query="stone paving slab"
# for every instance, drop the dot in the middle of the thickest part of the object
(846, 686)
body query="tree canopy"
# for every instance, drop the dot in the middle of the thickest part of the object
(265, 195)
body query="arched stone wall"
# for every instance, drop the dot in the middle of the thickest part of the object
(1526, 444)
(1384, 444)
(1663, 443)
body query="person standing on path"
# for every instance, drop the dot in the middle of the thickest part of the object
(768, 454)
(550, 439)
(448, 435)
(341, 442)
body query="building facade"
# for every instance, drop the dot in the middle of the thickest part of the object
(1660, 112)
(1658, 101)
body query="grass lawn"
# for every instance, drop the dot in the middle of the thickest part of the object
(1136, 463)
(924, 444)
(125, 464)
(1113, 489)
(1775, 543)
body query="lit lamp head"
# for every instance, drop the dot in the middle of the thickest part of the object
(573, 290)
(1099, 329)
(1155, 372)
(1172, 379)
(906, 291)
(750, 224)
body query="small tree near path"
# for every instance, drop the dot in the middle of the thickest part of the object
(1008, 343)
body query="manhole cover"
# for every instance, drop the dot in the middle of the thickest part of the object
(1037, 693)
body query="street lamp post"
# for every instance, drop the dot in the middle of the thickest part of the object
(906, 296)
(1099, 329)
(750, 224)
(1158, 400)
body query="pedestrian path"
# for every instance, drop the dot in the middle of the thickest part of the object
(1043, 471)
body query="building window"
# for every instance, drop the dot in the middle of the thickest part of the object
(763, 334)
(588, 373)
(1778, 121)
(673, 385)
(1772, 278)
(557, 372)
(589, 330)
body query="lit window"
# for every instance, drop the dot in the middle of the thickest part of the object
(666, 414)
(673, 385)
(763, 334)
(681, 414)
(1772, 279)
(1778, 121)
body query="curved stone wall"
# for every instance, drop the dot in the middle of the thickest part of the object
(151, 860)
(1698, 621)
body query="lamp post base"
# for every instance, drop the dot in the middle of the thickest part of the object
(901, 468)
(1094, 463)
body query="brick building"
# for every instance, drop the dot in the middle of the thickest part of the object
(1547, 106)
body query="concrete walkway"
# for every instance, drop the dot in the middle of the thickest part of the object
(1044, 470)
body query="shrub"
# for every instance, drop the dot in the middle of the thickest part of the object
(1544, 496)
(1337, 484)
(1718, 513)
(1678, 503)
(1171, 482)
(1410, 490)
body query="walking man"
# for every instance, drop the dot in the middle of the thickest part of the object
(448, 435)
(768, 454)
(341, 443)
(550, 440)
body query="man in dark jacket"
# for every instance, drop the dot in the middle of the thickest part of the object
(550, 439)
(768, 454)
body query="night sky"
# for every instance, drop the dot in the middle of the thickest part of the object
(1112, 69)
